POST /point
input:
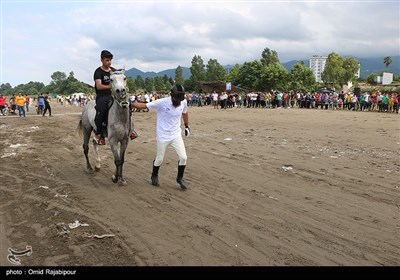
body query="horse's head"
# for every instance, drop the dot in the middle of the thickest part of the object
(118, 84)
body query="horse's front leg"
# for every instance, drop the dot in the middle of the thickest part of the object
(124, 145)
(86, 152)
(86, 137)
(114, 150)
(96, 151)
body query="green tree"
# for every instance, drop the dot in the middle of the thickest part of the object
(188, 85)
(165, 78)
(72, 85)
(269, 57)
(350, 66)
(215, 71)
(32, 92)
(371, 78)
(198, 73)
(233, 75)
(58, 77)
(338, 70)
(168, 82)
(333, 72)
(37, 85)
(168, 86)
(158, 83)
(387, 61)
(6, 89)
(139, 82)
(52, 87)
(273, 76)
(179, 75)
(130, 82)
(248, 74)
(301, 78)
(149, 84)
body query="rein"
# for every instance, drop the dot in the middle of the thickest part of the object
(121, 103)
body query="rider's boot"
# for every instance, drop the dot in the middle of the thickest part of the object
(154, 175)
(179, 178)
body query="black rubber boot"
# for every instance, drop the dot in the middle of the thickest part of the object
(154, 176)
(179, 178)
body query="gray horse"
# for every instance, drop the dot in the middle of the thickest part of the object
(118, 126)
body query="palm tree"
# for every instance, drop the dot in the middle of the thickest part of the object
(387, 61)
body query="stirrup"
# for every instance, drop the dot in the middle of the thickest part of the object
(133, 135)
(99, 140)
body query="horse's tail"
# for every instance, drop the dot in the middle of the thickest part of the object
(79, 129)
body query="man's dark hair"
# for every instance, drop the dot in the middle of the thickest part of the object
(106, 54)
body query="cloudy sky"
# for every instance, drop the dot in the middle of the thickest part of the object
(41, 37)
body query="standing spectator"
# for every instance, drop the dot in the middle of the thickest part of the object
(385, 102)
(13, 104)
(20, 101)
(223, 99)
(200, 100)
(47, 104)
(40, 104)
(2, 104)
(279, 99)
(390, 103)
(27, 102)
(395, 103)
(354, 101)
(215, 100)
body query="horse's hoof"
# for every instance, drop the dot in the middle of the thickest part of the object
(122, 183)
(97, 169)
(114, 179)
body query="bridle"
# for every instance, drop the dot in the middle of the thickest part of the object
(122, 102)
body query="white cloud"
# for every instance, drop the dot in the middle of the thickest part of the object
(155, 36)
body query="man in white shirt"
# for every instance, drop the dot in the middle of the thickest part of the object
(215, 99)
(170, 110)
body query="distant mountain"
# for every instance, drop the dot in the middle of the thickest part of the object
(368, 66)
(134, 72)
(288, 65)
(375, 65)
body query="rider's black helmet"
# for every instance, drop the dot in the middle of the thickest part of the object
(178, 92)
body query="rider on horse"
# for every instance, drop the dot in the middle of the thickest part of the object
(103, 97)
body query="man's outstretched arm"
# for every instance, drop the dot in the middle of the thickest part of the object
(138, 105)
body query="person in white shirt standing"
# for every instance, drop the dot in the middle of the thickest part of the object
(170, 110)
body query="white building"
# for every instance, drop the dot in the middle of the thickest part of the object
(385, 79)
(358, 74)
(317, 65)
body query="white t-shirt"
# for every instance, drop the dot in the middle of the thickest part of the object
(215, 96)
(168, 117)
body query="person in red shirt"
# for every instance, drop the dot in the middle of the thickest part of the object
(27, 102)
(2, 104)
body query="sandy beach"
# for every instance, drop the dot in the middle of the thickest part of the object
(267, 187)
